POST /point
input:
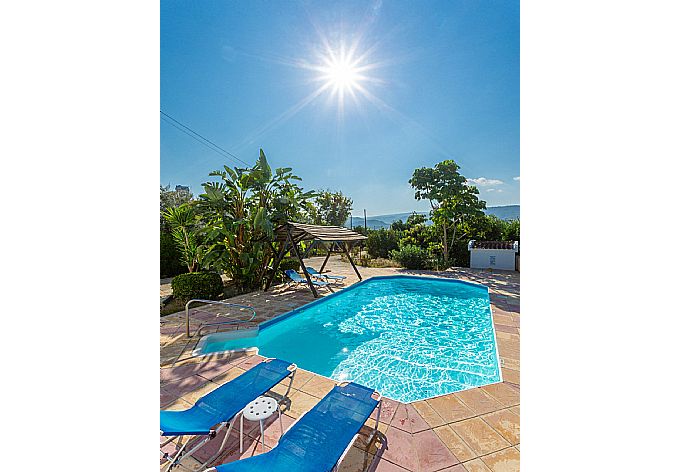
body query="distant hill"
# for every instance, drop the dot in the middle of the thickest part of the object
(372, 223)
(508, 212)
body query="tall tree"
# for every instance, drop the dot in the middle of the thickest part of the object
(331, 208)
(451, 199)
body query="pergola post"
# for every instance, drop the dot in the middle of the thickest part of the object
(323, 266)
(349, 258)
(276, 264)
(301, 263)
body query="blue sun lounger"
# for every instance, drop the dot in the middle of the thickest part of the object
(298, 279)
(319, 440)
(221, 407)
(327, 277)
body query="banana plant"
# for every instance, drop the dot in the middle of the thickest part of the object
(240, 212)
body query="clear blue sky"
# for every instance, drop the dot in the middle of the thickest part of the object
(439, 80)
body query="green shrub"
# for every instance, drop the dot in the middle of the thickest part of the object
(170, 257)
(204, 285)
(381, 242)
(287, 264)
(410, 257)
(459, 254)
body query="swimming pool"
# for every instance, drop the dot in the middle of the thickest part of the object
(409, 337)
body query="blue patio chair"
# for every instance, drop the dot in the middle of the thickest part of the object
(221, 407)
(298, 279)
(327, 277)
(321, 437)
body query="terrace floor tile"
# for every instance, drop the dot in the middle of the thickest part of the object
(408, 419)
(299, 403)
(450, 408)
(476, 465)
(455, 468)
(432, 453)
(507, 460)
(318, 386)
(356, 460)
(479, 401)
(429, 415)
(506, 423)
(383, 465)
(504, 393)
(400, 450)
(479, 436)
(388, 409)
(301, 378)
(455, 443)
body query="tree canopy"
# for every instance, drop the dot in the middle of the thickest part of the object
(452, 200)
(331, 208)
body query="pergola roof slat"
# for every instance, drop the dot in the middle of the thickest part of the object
(304, 232)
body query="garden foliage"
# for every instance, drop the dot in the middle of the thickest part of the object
(202, 285)
(170, 257)
(411, 257)
(381, 242)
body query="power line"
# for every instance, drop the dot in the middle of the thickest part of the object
(206, 142)
(179, 128)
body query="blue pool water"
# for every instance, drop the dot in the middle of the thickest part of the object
(408, 337)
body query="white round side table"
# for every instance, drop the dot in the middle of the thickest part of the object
(259, 410)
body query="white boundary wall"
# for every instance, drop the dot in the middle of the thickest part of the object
(503, 259)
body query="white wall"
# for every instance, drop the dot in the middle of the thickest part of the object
(502, 259)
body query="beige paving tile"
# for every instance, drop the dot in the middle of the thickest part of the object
(479, 401)
(301, 377)
(318, 386)
(226, 377)
(177, 405)
(476, 465)
(450, 408)
(506, 423)
(455, 443)
(429, 415)
(479, 436)
(509, 363)
(504, 393)
(193, 396)
(300, 403)
(511, 376)
(507, 460)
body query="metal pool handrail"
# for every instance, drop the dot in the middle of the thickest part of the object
(213, 302)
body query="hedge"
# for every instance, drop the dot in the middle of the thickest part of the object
(170, 256)
(411, 257)
(287, 264)
(203, 285)
(381, 242)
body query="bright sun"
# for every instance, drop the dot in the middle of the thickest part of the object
(341, 75)
(343, 72)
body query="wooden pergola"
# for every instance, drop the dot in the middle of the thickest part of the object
(333, 237)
